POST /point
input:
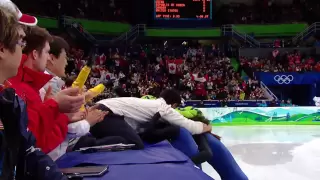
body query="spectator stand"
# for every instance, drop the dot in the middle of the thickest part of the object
(299, 66)
(93, 10)
(269, 11)
(217, 79)
(247, 40)
(81, 36)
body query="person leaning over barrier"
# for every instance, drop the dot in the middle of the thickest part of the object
(138, 113)
(22, 161)
(130, 116)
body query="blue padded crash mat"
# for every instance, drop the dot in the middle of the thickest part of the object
(162, 152)
(165, 171)
(156, 162)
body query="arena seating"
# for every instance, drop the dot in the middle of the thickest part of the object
(203, 75)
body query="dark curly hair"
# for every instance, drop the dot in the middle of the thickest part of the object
(171, 96)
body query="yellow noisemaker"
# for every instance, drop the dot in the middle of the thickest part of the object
(81, 80)
(82, 77)
(95, 91)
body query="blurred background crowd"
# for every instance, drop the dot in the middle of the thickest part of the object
(200, 73)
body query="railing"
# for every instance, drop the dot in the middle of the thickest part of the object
(307, 32)
(267, 92)
(131, 35)
(75, 25)
(84, 32)
(230, 30)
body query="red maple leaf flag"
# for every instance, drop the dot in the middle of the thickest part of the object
(172, 68)
(175, 66)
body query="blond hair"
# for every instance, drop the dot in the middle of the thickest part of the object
(9, 6)
(9, 25)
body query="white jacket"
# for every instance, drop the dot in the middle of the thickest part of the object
(56, 84)
(75, 130)
(137, 111)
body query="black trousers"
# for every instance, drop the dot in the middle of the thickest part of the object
(115, 126)
(164, 131)
(161, 131)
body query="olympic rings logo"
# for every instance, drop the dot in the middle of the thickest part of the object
(283, 79)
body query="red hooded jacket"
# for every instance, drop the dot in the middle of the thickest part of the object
(46, 123)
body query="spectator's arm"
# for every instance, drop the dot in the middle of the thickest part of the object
(78, 129)
(48, 125)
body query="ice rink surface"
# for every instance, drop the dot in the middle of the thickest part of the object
(273, 152)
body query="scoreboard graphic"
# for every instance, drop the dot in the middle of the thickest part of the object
(183, 9)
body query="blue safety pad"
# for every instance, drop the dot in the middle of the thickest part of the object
(155, 162)
(161, 152)
(165, 171)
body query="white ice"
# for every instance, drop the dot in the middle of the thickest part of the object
(273, 152)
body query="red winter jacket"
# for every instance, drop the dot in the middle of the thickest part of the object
(46, 123)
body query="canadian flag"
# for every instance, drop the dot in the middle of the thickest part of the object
(201, 79)
(103, 59)
(100, 60)
(172, 68)
(175, 66)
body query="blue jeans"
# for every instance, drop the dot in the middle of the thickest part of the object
(222, 160)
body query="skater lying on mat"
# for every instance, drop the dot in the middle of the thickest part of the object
(128, 117)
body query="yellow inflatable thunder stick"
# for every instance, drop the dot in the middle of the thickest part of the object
(82, 78)
(94, 92)
(84, 74)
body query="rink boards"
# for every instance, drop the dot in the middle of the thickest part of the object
(263, 115)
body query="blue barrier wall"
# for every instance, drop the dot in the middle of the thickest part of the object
(214, 103)
(276, 79)
(300, 87)
(259, 115)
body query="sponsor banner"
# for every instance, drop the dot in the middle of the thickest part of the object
(262, 114)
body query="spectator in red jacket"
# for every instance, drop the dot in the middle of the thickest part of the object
(46, 121)
(200, 91)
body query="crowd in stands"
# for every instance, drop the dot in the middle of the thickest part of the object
(270, 11)
(110, 10)
(288, 62)
(199, 73)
